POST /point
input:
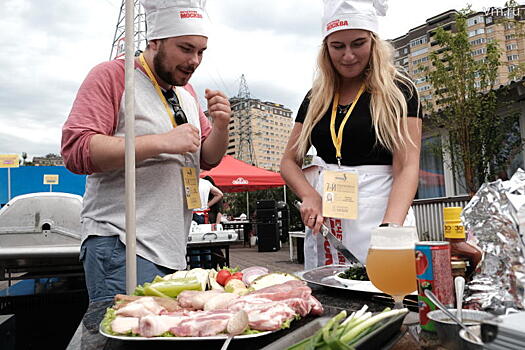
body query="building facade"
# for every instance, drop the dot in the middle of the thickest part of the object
(412, 53)
(259, 132)
(412, 50)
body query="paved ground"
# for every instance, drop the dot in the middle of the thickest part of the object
(274, 261)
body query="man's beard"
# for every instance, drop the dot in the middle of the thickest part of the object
(163, 72)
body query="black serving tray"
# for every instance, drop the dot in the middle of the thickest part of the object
(382, 338)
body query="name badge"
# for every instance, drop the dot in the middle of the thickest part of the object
(340, 194)
(191, 187)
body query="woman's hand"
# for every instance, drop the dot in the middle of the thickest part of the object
(311, 212)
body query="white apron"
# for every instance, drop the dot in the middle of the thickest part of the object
(375, 184)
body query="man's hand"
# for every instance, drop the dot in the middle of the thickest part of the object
(182, 139)
(218, 107)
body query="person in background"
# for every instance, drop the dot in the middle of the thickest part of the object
(210, 196)
(172, 133)
(363, 117)
(214, 203)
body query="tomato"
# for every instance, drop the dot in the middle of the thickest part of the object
(235, 276)
(222, 276)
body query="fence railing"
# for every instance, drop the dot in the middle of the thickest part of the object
(429, 215)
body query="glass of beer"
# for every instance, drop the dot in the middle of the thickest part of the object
(390, 263)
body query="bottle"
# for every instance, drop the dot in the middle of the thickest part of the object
(460, 249)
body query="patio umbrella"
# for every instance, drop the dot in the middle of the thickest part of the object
(233, 175)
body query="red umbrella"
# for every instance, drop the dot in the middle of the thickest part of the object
(233, 175)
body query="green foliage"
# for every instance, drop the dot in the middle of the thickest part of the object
(466, 105)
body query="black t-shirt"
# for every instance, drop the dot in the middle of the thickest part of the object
(360, 146)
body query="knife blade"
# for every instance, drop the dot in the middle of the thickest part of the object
(334, 242)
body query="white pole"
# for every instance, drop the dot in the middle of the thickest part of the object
(284, 188)
(50, 188)
(129, 103)
(8, 184)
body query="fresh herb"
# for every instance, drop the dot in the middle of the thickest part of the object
(355, 272)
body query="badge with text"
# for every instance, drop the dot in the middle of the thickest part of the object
(191, 187)
(340, 194)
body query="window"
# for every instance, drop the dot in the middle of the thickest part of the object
(423, 88)
(431, 179)
(512, 67)
(476, 32)
(420, 80)
(478, 51)
(419, 52)
(512, 47)
(417, 71)
(488, 19)
(478, 41)
(509, 26)
(474, 20)
(490, 30)
(513, 57)
(509, 36)
(420, 60)
(419, 41)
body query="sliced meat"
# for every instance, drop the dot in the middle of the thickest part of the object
(123, 325)
(316, 306)
(287, 290)
(220, 301)
(193, 299)
(203, 324)
(170, 304)
(152, 326)
(141, 307)
(269, 316)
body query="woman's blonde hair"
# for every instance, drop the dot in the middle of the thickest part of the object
(388, 105)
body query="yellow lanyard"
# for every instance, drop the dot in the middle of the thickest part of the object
(338, 139)
(157, 88)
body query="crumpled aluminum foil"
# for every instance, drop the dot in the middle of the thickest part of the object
(493, 218)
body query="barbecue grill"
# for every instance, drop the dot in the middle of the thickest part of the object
(40, 236)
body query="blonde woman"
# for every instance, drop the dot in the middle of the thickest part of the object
(379, 141)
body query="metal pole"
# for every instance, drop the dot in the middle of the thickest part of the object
(131, 258)
(247, 206)
(8, 184)
(284, 188)
(50, 188)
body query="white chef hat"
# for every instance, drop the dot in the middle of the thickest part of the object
(352, 14)
(170, 18)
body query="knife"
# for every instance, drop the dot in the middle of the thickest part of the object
(334, 242)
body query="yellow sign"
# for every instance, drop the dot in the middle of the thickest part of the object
(50, 179)
(9, 161)
(340, 194)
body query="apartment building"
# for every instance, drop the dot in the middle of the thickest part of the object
(412, 52)
(266, 125)
(413, 49)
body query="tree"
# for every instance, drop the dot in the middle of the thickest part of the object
(466, 106)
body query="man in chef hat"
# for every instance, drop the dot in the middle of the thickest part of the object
(362, 116)
(172, 134)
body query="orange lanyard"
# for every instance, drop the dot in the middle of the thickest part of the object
(157, 88)
(337, 140)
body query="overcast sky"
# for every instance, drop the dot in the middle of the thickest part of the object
(50, 46)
